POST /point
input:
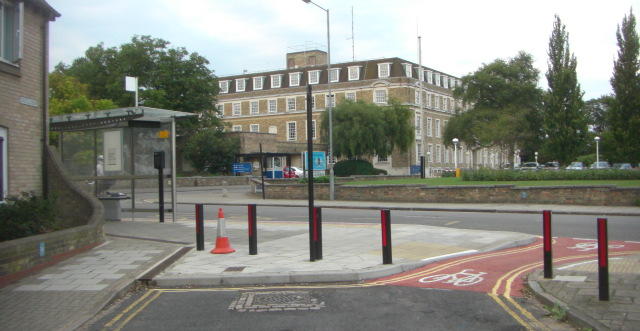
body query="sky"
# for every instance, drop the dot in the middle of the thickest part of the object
(458, 36)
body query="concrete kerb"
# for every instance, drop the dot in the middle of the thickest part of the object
(574, 316)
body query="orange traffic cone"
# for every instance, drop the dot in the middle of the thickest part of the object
(223, 246)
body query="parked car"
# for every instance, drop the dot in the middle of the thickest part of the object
(577, 165)
(553, 165)
(622, 166)
(530, 166)
(291, 172)
(600, 165)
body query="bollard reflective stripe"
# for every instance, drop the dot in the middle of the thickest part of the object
(546, 215)
(603, 250)
(547, 244)
(383, 218)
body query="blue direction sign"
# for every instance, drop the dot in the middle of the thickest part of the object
(241, 167)
(319, 161)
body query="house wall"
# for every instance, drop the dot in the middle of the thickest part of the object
(21, 108)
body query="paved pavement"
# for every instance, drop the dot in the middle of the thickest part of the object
(64, 296)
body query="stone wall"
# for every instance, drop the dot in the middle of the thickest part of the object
(603, 195)
(78, 210)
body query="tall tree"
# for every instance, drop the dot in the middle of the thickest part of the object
(67, 95)
(564, 121)
(366, 129)
(504, 100)
(622, 141)
(170, 78)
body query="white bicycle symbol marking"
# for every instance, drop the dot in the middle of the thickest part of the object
(584, 247)
(462, 278)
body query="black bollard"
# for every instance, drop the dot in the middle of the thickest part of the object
(199, 227)
(603, 260)
(547, 239)
(253, 230)
(386, 236)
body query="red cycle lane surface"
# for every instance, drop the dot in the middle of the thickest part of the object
(502, 272)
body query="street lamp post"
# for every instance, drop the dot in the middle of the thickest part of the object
(455, 153)
(429, 165)
(536, 154)
(597, 139)
(329, 106)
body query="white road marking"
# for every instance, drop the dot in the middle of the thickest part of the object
(585, 262)
(450, 255)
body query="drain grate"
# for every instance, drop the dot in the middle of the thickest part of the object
(275, 301)
(234, 269)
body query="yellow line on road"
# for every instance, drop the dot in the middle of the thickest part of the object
(135, 313)
(126, 310)
(451, 223)
(509, 311)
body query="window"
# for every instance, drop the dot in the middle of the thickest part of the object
(430, 152)
(354, 73)
(273, 129)
(419, 152)
(255, 109)
(380, 96)
(447, 152)
(314, 76)
(294, 79)
(334, 75)
(438, 154)
(276, 81)
(257, 83)
(418, 97)
(330, 101)
(437, 128)
(445, 82)
(254, 128)
(273, 105)
(384, 70)
(436, 100)
(291, 104)
(350, 96)
(240, 85)
(429, 127)
(437, 79)
(236, 110)
(11, 21)
(408, 70)
(383, 158)
(418, 125)
(291, 131)
(3, 164)
(224, 86)
(236, 128)
(429, 77)
(220, 109)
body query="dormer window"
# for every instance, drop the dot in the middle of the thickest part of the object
(408, 70)
(257, 83)
(314, 76)
(384, 70)
(354, 73)
(294, 79)
(241, 84)
(276, 81)
(334, 75)
(224, 86)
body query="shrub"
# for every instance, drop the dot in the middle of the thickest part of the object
(516, 175)
(26, 215)
(319, 179)
(355, 167)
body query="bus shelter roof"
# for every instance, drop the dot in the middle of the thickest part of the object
(113, 117)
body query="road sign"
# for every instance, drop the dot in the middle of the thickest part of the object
(241, 167)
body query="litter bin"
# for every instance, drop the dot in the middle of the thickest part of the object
(111, 203)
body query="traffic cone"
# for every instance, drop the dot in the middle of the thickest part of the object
(223, 246)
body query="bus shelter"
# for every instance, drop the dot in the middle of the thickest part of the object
(109, 152)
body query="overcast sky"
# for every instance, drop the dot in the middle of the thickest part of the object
(457, 36)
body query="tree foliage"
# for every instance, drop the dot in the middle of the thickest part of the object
(597, 111)
(564, 121)
(67, 95)
(622, 141)
(169, 78)
(366, 129)
(504, 100)
(211, 150)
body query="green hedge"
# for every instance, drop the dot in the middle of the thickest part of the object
(319, 179)
(26, 215)
(348, 168)
(516, 175)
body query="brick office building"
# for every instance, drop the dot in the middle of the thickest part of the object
(271, 107)
(24, 30)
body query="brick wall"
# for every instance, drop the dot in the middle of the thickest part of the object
(24, 122)
(569, 195)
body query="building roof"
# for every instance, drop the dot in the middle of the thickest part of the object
(42, 4)
(102, 118)
(368, 70)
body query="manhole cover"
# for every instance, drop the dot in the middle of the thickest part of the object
(275, 301)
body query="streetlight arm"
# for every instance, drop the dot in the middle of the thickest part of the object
(315, 4)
